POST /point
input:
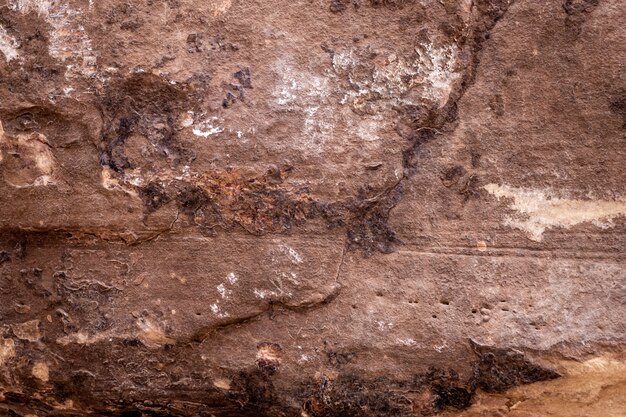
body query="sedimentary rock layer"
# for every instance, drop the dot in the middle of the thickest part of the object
(312, 208)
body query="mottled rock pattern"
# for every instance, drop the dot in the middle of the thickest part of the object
(312, 208)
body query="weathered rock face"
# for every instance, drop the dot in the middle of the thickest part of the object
(313, 208)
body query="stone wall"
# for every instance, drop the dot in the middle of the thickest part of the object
(312, 208)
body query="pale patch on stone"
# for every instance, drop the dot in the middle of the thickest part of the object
(180, 278)
(406, 341)
(7, 351)
(41, 7)
(263, 294)
(367, 128)
(269, 353)
(441, 347)
(243, 136)
(137, 178)
(599, 364)
(384, 326)
(151, 334)
(304, 358)
(82, 338)
(207, 128)
(222, 383)
(307, 93)
(41, 371)
(215, 309)
(312, 96)
(294, 256)
(27, 160)
(437, 65)
(21, 308)
(224, 293)
(107, 179)
(132, 178)
(232, 278)
(291, 277)
(430, 73)
(8, 45)
(78, 337)
(543, 209)
(111, 183)
(186, 119)
(344, 60)
(220, 7)
(27, 331)
(68, 41)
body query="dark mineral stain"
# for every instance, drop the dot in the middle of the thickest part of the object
(576, 13)
(228, 100)
(153, 197)
(456, 397)
(475, 158)
(254, 391)
(244, 77)
(496, 103)
(617, 106)
(389, 3)
(368, 218)
(115, 156)
(18, 398)
(452, 175)
(190, 199)
(144, 105)
(417, 137)
(424, 394)
(338, 359)
(448, 390)
(337, 6)
(502, 369)
(131, 342)
(237, 89)
(194, 42)
(348, 395)
(4, 257)
(470, 188)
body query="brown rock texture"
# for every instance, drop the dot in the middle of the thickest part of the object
(312, 208)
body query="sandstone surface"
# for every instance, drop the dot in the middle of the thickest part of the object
(313, 208)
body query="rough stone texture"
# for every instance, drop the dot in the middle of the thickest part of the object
(312, 208)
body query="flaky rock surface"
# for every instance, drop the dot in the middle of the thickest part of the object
(312, 208)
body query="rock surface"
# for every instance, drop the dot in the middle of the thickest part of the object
(313, 208)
